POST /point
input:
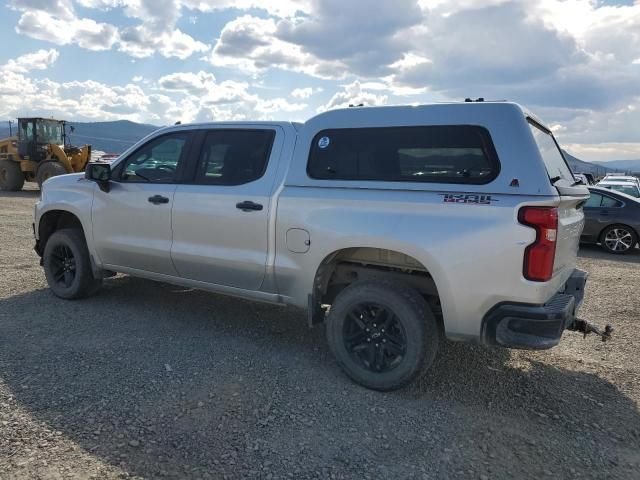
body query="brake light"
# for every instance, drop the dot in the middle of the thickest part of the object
(539, 256)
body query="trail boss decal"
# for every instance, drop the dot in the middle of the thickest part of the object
(467, 198)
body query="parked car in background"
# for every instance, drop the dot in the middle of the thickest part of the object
(612, 219)
(627, 187)
(618, 177)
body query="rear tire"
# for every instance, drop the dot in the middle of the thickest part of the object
(11, 177)
(618, 239)
(67, 265)
(382, 335)
(49, 169)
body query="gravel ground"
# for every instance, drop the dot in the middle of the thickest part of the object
(147, 380)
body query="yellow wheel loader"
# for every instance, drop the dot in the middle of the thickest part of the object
(39, 151)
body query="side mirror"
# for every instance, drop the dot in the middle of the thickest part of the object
(99, 173)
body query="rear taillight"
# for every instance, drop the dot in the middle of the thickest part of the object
(539, 256)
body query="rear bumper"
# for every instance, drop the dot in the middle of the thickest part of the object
(535, 327)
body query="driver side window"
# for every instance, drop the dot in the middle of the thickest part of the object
(157, 161)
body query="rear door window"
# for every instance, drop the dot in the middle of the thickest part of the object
(441, 154)
(234, 157)
(597, 201)
(557, 167)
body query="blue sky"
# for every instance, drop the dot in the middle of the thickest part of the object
(575, 63)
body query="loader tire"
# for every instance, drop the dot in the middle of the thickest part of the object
(11, 177)
(47, 170)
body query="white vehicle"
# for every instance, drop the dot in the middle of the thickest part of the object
(617, 177)
(628, 187)
(395, 226)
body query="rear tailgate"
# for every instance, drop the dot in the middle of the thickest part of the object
(572, 198)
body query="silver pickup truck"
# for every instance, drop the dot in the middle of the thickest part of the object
(395, 226)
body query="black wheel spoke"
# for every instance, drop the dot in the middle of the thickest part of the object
(68, 278)
(371, 355)
(357, 318)
(357, 338)
(378, 363)
(394, 348)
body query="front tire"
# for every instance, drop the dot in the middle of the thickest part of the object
(382, 335)
(49, 169)
(618, 239)
(67, 265)
(11, 177)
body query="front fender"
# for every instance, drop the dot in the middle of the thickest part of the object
(68, 193)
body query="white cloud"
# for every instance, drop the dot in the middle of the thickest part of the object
(185, 96)
(188, 82)
(279, 8)
(86, 32)
(604, 151)
(354, 94)
(40, 60)
(251, 45)
(302, 93)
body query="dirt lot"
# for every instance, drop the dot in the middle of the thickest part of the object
(149, 380)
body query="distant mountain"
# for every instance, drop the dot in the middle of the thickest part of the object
(580, 166)
(628, 166)
(110, 137)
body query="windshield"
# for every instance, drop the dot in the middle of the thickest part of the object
(49, 131)
(557, 168)
(628, 189)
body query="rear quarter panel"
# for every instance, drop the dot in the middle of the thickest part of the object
(473, 252)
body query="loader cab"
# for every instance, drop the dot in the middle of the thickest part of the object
(34, 134)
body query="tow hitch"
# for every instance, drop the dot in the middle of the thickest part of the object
(585, 327)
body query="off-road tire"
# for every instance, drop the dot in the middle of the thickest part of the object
(411, 311)
(69, 241)
(50, 169)
(11, 177)
(633, 239)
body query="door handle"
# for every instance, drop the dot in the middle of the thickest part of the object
(248, 206)
(604, 213)
(158, 199)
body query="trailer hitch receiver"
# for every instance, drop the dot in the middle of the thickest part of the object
(585, 328)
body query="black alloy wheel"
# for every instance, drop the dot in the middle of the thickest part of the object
(63, 265)
(374, 337)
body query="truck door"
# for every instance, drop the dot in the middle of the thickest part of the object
(132, 222)
(220, 217)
